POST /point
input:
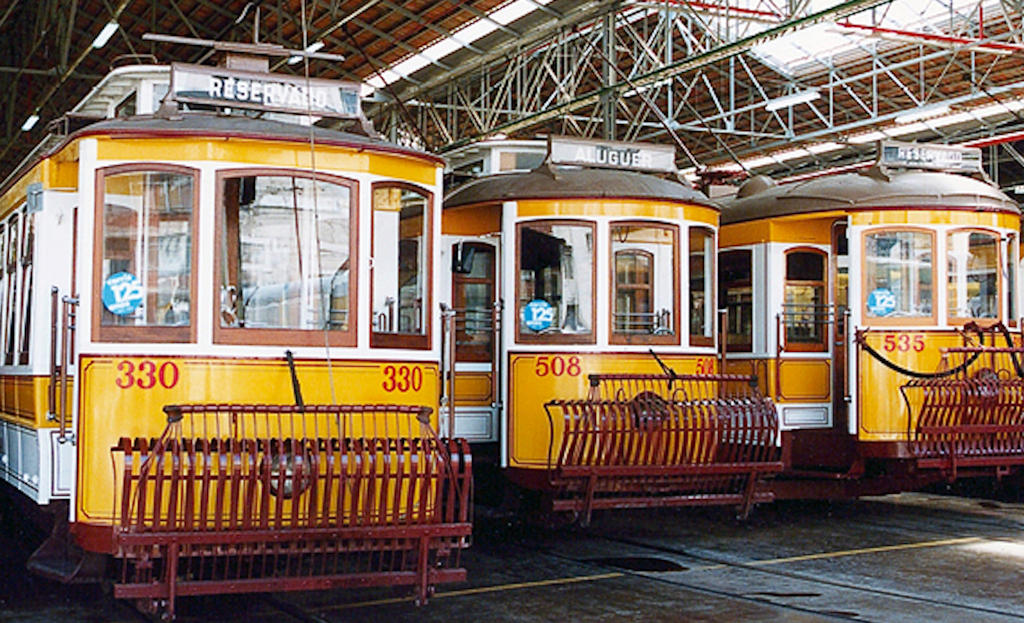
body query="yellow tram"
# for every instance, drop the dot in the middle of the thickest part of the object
(186, 237)
(586, 270)
(877, 308)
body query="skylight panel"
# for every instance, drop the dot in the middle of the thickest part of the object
(461, 38)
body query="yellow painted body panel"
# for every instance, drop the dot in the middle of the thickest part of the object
(24, 400)
(528, 437)
(271, 153)
(795, 229)
(817, 228)
(109, 412)
(935, 217)
(882, 413)
(471, 221)
(473, 388)
(805, 380)
(624, 208)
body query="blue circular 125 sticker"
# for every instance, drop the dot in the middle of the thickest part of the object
(122, 293)
(881, 302)
(538, 315)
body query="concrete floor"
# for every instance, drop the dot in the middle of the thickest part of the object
(912, 557)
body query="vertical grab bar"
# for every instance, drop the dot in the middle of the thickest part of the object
(51, 392)
(448, 367)
(68, 320)
(496, 353)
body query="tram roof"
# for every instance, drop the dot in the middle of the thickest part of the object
(873, 188)
(547, 182)
(180, 124)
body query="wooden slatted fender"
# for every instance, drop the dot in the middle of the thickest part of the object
(974, 419)
(245, 498)
(660, 440)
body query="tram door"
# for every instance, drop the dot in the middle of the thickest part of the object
(840, 299)
(476, 317)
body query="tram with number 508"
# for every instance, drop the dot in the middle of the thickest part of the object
(880, 309)
(583, 331)
(220, 326)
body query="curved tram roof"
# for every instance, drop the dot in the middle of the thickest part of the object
(548, 182)
(872, 189)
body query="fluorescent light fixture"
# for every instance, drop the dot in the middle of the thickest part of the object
(924, 112)
(105, 35)
(800, 97)
(30, 123)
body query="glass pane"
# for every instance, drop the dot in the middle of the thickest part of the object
(645, 294)
(973, 260)
(701, 309)
(401, 240)
(899, 274)
(285, 253)
(1011, 277)
(473, 296)
(147, 249)
(555, 279)
(736, 296)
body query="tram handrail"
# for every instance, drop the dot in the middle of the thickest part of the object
(61, 339)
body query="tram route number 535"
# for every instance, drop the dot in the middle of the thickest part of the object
(902, 342)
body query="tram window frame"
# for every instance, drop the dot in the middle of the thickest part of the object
(589, 337)
(951, 318)
(283, 336)
(929, 320)
(822, 286)
(710, 296)
(185, 333)
(735, 279)
(465, 349)
(622, 337)
(408, 341)
(1012, 280)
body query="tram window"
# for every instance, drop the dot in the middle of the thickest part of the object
(972, 285)
(473, 298)
(11, 290)
(898, 276)
(702, 248)
(400, 269)
(555, 292)
(25, 266)
(1011, 279)
(735, 295)
(643, 278)
(805, 310)
(145, 277)
(285, 258)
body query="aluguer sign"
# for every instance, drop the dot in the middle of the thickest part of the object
(273, 92)
(611, 154)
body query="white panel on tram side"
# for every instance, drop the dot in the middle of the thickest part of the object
(854, 289)
(815, 415)
(19, 461)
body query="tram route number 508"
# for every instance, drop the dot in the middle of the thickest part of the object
(556, 365)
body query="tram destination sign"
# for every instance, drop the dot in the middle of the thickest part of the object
(938, 157)
(611, 154)
(219, 86)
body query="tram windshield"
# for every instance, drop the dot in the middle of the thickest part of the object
(899, 274)
(146, 270)
(556, 280)
(285, 253)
